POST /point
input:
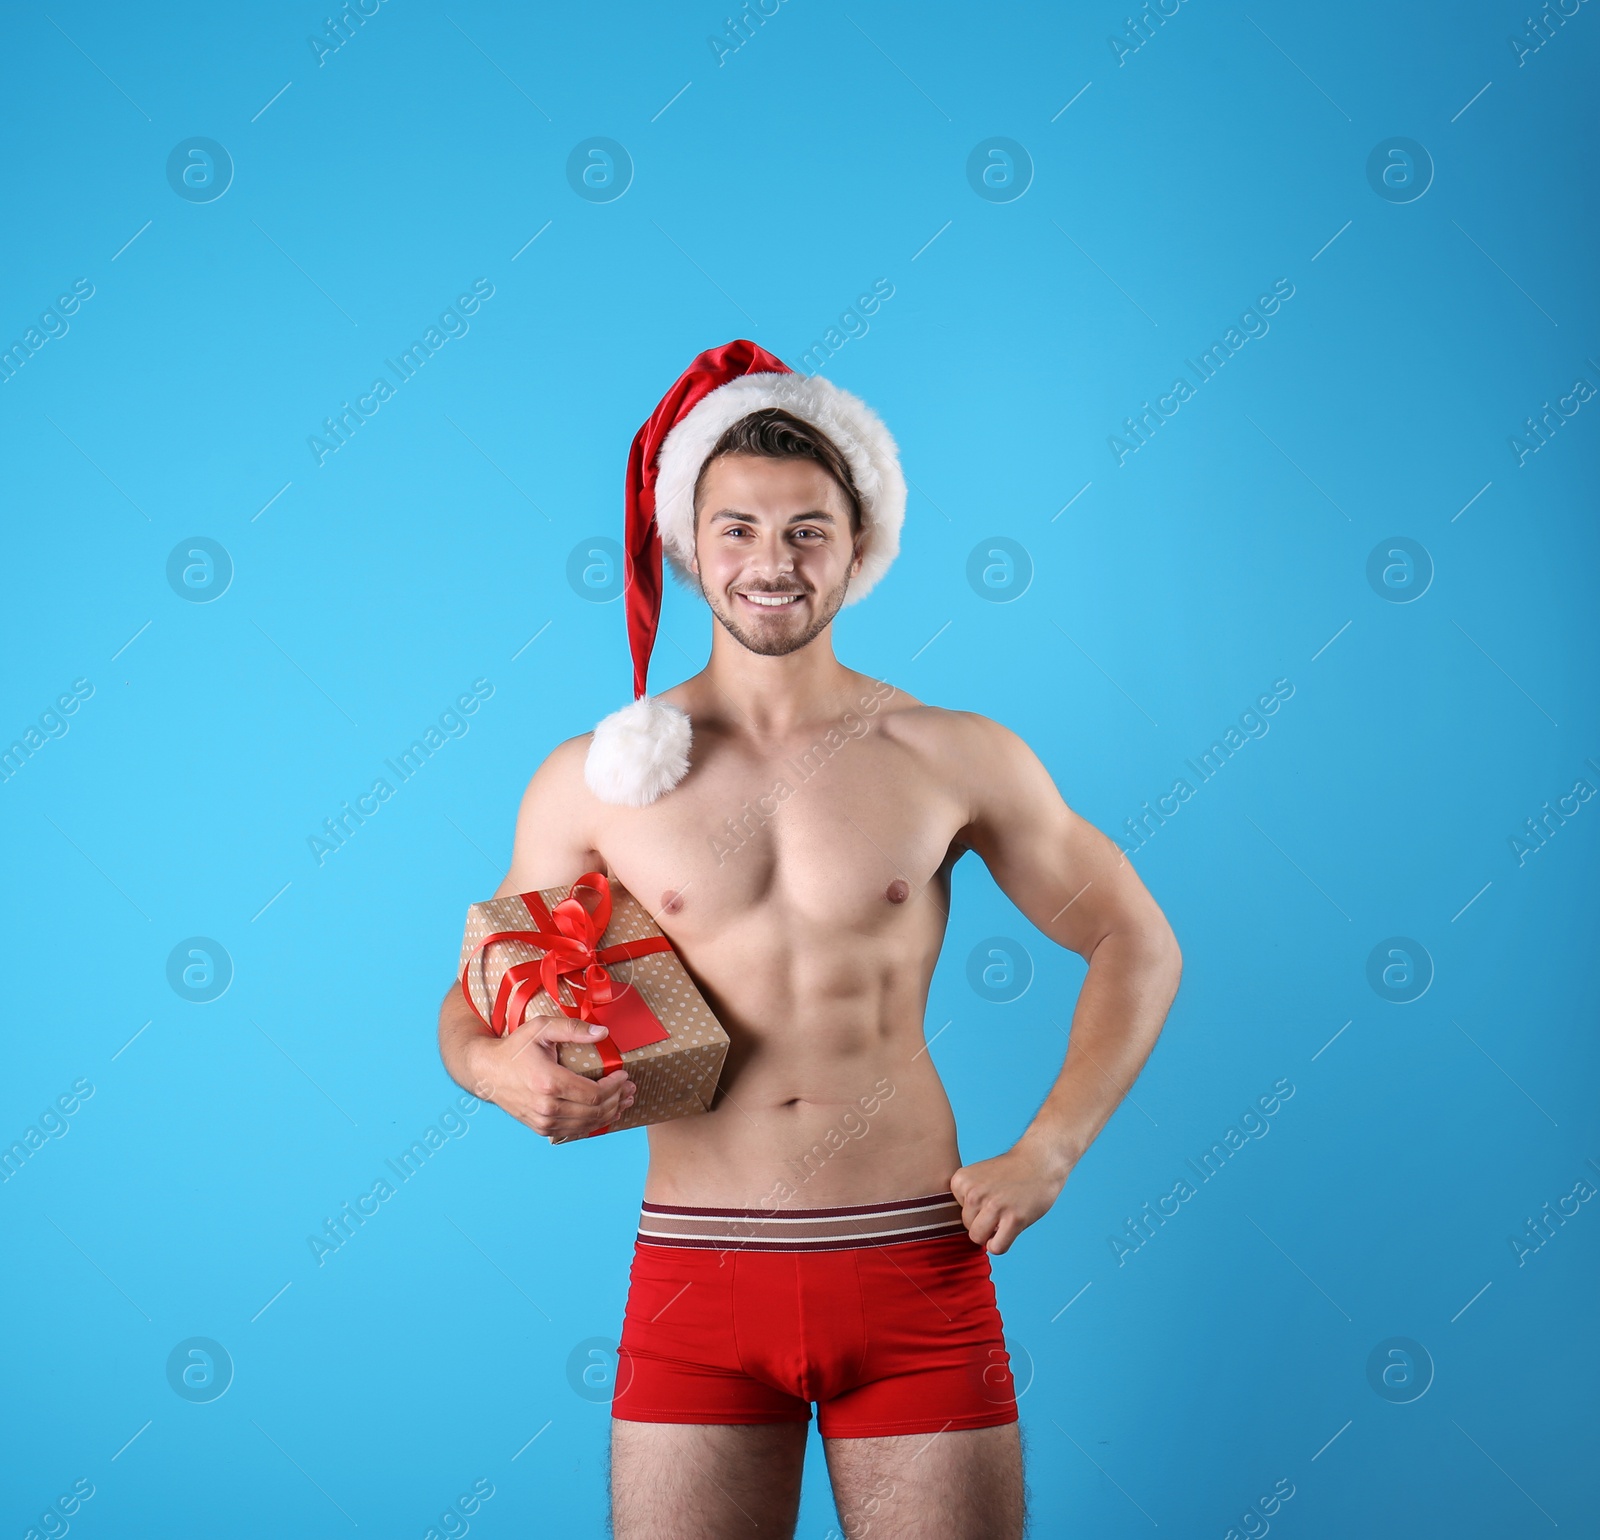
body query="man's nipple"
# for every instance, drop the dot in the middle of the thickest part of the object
(898, 891)
(671, 901)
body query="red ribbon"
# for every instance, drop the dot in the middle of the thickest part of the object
(569, 936)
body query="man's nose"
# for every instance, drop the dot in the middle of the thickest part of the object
(772, 555)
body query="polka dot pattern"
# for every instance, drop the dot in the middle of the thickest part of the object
(675, 1077)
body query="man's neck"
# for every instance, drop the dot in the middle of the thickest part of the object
(768, 697)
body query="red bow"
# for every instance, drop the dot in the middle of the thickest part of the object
(569, 936)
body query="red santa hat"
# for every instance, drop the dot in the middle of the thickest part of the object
(642, 751)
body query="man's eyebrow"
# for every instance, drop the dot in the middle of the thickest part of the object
(815, 515)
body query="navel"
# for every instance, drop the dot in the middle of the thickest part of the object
(898, 891)
(671, 901)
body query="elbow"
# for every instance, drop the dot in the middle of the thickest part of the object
(1163, 952)
(1146, 944)
(1174, 961)
(450, 1028)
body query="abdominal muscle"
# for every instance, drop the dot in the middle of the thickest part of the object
(828, 1096)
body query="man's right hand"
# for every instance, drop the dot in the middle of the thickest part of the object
(520, 1074)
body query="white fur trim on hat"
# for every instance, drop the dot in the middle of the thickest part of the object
(638, 753)
(848, 421)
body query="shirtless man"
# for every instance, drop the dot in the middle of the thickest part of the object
(813, 934)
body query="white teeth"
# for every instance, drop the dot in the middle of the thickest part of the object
(771, 601)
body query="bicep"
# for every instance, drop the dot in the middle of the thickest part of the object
(1067, 877)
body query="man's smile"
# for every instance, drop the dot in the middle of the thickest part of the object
(766, 600)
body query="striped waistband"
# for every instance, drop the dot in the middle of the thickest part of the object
(803, 1229)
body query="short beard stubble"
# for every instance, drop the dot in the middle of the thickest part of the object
(779, 646)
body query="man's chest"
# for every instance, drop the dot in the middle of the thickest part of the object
(832, 834)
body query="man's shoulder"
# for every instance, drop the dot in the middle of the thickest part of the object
(560, 773)
(556, 822)
(988, 767)
(556, 792)
(942, 728)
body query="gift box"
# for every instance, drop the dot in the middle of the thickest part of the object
(591, 952)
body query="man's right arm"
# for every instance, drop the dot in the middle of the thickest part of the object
(520, 1072)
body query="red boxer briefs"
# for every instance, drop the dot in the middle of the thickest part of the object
(883, 1314)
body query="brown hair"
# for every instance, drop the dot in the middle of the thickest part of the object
(774, 434)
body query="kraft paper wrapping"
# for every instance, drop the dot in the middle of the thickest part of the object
(674, 1077)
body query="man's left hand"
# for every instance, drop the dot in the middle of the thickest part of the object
(1001, 1197)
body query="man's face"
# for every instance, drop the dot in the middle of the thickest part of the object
(774, 551)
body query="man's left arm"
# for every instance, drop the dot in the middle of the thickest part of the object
(1077, 887)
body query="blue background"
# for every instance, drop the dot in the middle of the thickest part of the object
(1173, 1385)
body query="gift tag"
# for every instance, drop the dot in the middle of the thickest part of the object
(629, 1022)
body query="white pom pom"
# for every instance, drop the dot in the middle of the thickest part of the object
(638, 753)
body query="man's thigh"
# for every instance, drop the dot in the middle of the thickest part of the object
(692, 1481)
(961, 1485)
